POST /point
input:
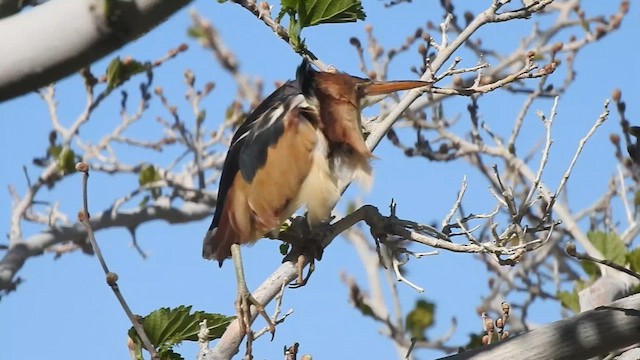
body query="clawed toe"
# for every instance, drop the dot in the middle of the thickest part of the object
(302, 280)
(243, 309)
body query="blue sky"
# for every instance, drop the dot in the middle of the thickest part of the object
(65, 311)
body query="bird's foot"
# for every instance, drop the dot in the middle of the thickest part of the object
(307, 248)
(243, 309)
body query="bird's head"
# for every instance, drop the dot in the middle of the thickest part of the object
(359, 91)
(339, 98)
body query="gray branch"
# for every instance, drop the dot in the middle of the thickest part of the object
(16, 256)
(583, 336)
(59, 37)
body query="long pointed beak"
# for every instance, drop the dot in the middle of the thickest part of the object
(373, 91)
(387, 87)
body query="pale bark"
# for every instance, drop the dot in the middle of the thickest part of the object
(56, 39)
(15, 257)
(591, 333)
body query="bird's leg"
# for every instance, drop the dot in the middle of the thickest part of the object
(245, 300)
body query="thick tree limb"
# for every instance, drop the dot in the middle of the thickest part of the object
(16, 256)
(583, 336)
(85, 31)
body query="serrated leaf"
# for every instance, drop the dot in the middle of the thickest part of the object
(173, 321)
(610, 245)
(420, 318)
(168, 327)
(147, 175)
(216, 323)
(633, 259)
(569, 300)
(315, 12)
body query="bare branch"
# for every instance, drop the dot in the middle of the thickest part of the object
(112, 278)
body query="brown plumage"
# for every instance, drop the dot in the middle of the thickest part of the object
(296, 149)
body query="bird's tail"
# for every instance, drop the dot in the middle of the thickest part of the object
(218, 240)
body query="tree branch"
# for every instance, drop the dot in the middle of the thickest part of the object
(31, 60)
(380, 225)
(35, 245)
(583, 336)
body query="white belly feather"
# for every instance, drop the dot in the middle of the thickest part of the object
(320, 190)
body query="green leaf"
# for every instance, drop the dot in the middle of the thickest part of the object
(610, 245)
(314, 12)
(633, 258)
(294, 34)
(114, 73)
(420, 318)
(590, 268)
(167, 328)
(170, 355)
(120, 71)
(580, 285)
(284, 248)
(569, 300)
(147, 175)
(66, 161)
(196, 32)
(54, 150)
(365, 309)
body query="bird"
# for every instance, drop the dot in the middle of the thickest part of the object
(298, 148)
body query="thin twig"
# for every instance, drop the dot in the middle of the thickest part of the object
(571, 251)
(601, 119)
(112, 278)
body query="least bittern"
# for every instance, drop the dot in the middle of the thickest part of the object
(297, 148)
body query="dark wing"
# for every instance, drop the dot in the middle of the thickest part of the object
(232, 162)
(259, 160)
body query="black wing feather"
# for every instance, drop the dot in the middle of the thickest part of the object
(248, 150)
